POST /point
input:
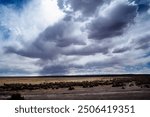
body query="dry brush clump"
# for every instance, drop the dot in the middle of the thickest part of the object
(71, 88)
(138, 80)
(142, 81)
(16, 96)
(131, 84)
(145, 86)
(118, 83)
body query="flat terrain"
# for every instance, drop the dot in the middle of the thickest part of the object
(74, 88)
(38, 80)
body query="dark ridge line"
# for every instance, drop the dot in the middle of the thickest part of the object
(77, 76)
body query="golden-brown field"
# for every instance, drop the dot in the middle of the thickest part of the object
(39, 80)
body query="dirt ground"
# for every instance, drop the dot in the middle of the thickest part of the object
(79, 93)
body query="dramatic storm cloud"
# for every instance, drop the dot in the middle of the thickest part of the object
(112, 20)
(63, 37)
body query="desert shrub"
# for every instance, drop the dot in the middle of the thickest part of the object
(146, 86)
(108, 82)
(142, 80)
(131, 84)
(71, 88)
(138, 83)
(91, 86)
(85, 86)
(118, 84)
(16, 96)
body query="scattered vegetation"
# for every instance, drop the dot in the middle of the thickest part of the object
(131, 84)
(53, 85)
(71, 88)
(16, 96)
(147, 86)
(116, 82)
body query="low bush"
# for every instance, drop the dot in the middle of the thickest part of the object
(71, 88)
(16, 96)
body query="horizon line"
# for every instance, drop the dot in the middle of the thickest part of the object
(84, 75)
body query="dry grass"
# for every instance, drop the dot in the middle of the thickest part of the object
(49, 80)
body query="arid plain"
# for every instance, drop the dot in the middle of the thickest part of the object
(111, 87)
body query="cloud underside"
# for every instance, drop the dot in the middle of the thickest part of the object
(82, 37)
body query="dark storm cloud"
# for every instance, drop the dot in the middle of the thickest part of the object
(54, 70)
(87, 7)
(60, 35)
(143, 39)
(50, 43)
(144, 46)
(114, 23)
(88, 50)
(37, 49)
(142, 42)
(60, 69)
(111, 62)
(121, 50)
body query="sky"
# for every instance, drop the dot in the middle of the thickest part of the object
(74, 37)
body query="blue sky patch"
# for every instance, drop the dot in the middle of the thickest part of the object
(15, 3)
